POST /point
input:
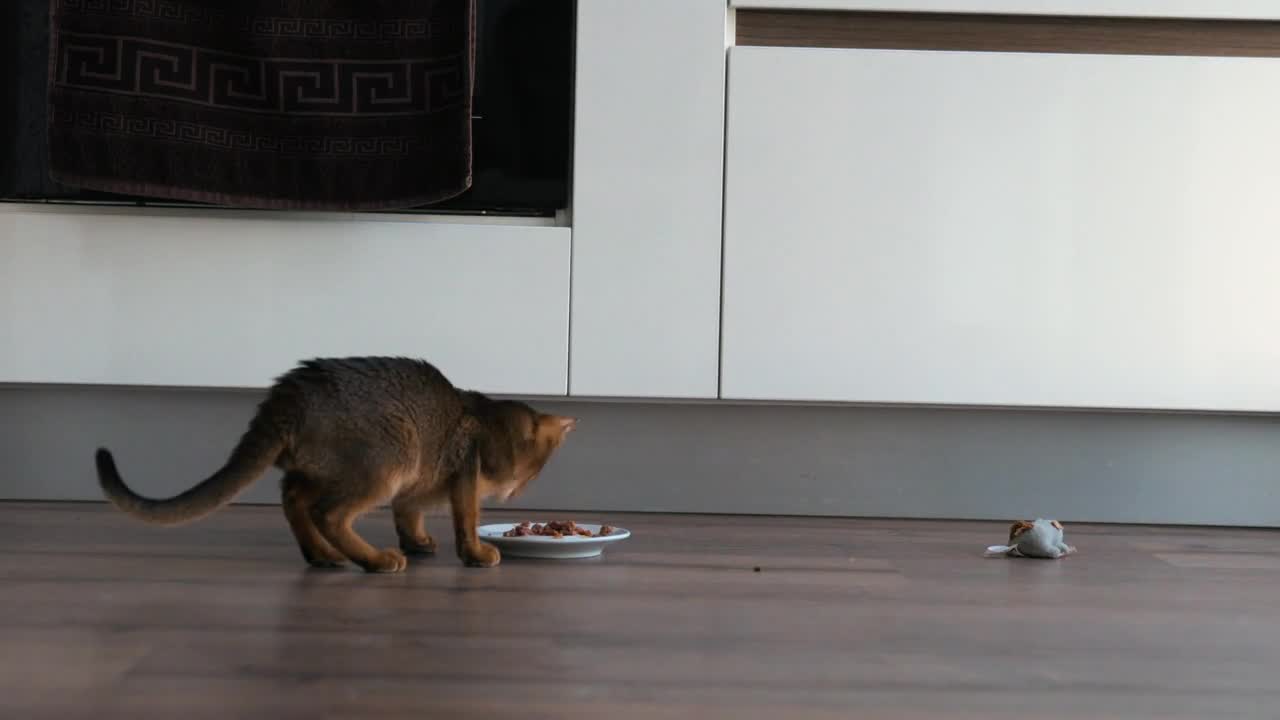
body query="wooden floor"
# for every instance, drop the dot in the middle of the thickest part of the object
(104, 618)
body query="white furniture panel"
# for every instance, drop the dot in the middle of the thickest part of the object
(1200, 9)
(1002, 229)
(647, 198)
(225, 299)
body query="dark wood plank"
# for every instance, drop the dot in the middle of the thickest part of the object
(1008, 33)
(105, 618)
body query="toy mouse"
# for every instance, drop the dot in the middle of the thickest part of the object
(1038, 539)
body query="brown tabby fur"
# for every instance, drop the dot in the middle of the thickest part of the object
(355, 433)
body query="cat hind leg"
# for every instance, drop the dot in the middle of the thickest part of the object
(295, 489)
(335, 518)
(411, 528)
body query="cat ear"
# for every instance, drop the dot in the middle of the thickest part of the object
(567, 424)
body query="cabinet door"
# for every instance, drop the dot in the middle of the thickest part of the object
(1002, 229)
(648, 173)
(226, 299)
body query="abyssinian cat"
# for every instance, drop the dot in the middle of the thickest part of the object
(354, 433)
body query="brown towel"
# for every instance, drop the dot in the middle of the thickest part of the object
(322, 104)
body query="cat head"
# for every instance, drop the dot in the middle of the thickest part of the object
(537, 436)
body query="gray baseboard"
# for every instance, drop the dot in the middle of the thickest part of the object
(767, 459)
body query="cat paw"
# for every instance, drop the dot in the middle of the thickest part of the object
(414, 547)
(481, 555)
(390, 560)
(326, 560)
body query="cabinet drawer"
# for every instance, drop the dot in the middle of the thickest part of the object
(224, 299)
(1199, 9)
(1016, 229)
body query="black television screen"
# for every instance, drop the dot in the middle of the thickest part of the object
(522, 117)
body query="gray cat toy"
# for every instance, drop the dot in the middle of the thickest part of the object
(1038, 539)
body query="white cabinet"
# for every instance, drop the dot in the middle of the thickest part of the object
(219, 298)
(228, 299)
(647, 198)
(1002, 229)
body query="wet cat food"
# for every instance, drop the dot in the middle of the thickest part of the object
(555, 529)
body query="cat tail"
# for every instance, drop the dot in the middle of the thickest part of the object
(256, 452)
(999, 550)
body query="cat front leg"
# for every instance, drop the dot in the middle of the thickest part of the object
(464, 496)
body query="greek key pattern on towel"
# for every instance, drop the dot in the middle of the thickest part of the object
(133, 66)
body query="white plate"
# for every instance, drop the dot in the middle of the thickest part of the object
(539, 546)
